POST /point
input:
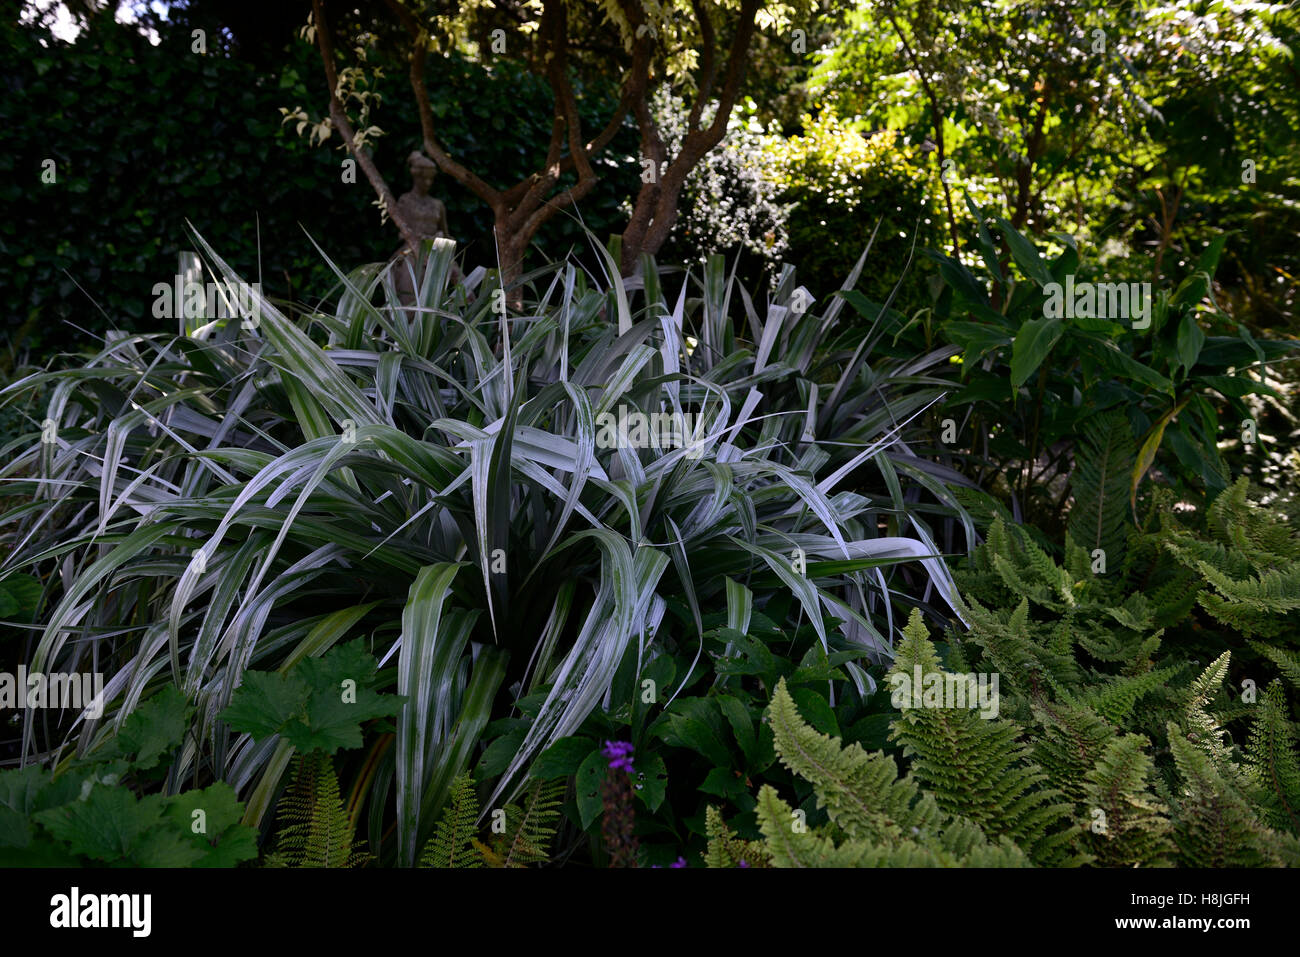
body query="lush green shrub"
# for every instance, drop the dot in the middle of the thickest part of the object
(1037, 374)
(815, 199)
(1112, 743)
(87, 812)
(731, 203)
(843, 187)
(439, 479)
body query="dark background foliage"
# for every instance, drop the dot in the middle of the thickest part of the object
(146, 137)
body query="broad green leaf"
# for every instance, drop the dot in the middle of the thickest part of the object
(1190, 341)
(1032, 344)
(562, 759)
(1025, 255)
(111, 826)
(211, 818)
(650, 780)
(266, 703)
(590, 777)
(154, 730)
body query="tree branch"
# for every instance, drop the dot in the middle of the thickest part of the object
(419, 51)
(709, 41)
(339, 118)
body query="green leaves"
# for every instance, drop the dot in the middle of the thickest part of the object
(87, 815)
(1093, 362)
(211, 819)
(254, 498)
(587, 781)
(19, 597)
(151, 732)
(877, 819)
(109, 825)
(1024, 254)
(112, 826)
(318, 704)
(440, 722)
(1032, 345)
(1190, 340)
(1103, 463)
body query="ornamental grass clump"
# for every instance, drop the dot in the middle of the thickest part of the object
(425, 474)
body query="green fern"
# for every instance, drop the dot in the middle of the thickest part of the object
(861, 792)
(1073, 739)
(727, 849)
(1027, 570)
(1250, 529)
(520, 835)
(315, 831)
(1129, 825)
(1115, 698)
(1273, 763)
(1203, 729)
(530, 829)
(1092, 682)
(1214, 825)
(1288, 663)
(1016, 649)
(877, 819)
(979, 768)
(451, 845)
(1251, 562)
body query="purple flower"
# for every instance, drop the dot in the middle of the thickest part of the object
(743, 863)
(680, 862)
(619, 754)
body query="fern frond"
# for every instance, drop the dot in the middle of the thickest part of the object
(1214, 825)
(450, 846)
(530, 829)
(1273, 763)
(1022, 659)
(1129, 825)
(978, 768)
(790, 843)
(861, 792)
(1249, 528)
(1073, 739)
(1203, 729)
(315, 830)
(1288, 663)
(1252, 562)
(726, 848)
(1115, 698)
(877, 820)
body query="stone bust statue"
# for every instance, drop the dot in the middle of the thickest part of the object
(426, 215)
(427, 218)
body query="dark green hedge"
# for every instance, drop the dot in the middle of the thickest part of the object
(147, 137)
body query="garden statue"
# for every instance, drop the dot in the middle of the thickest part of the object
(426, 215)
(427, 218)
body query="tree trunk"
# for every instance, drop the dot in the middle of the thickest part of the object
(511, 245)
(655, 210)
